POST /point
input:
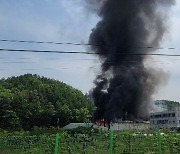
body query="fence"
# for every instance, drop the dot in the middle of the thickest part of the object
(99, 143)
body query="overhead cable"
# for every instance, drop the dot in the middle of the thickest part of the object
(85, 44)
(89, 53)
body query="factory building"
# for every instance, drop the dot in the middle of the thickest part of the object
(169, 119)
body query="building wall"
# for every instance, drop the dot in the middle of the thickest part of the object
(166, 118)
(125, 126)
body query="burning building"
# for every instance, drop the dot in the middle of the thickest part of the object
(122, 39)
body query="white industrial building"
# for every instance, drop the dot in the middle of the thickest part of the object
(169, 119)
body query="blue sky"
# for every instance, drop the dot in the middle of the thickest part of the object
(69, 21)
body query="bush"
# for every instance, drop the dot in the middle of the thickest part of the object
(44, 130)
(34, 131)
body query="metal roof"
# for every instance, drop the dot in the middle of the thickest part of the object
(76, 125)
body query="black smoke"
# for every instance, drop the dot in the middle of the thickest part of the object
(124, 87)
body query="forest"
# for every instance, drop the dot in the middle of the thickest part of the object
(31, 100)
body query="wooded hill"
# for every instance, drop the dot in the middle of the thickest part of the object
(30, 100)
(167, 105)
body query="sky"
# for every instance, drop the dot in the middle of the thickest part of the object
(69, 21)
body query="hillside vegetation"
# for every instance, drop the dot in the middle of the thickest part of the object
(166, 104)
(171, 104)
(30, 100)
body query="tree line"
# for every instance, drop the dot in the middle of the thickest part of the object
(30, 100)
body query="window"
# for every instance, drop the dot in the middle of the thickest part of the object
(158, 116)
(160, 122)
(173, 114)
(165, 121)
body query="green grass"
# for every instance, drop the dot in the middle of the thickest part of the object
(92, 143)
(27, 144)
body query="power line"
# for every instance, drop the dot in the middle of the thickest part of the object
(85, 44)
(89, 53)
(57, 69)
(46, 51)
(50, 42)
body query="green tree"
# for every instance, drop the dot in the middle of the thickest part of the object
(30, 100)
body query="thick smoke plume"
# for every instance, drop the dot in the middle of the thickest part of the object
(124, 87)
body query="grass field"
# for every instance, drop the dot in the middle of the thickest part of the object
(93, 143)
(123, 142)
